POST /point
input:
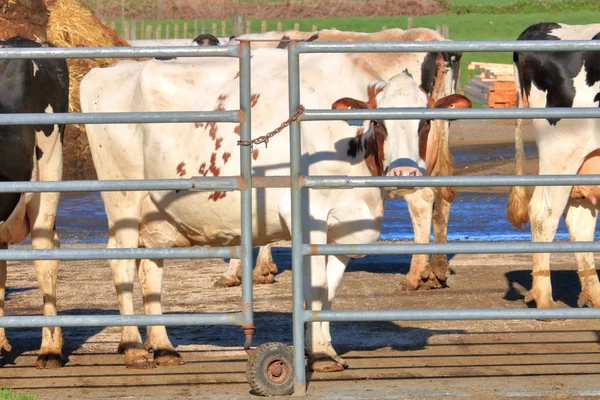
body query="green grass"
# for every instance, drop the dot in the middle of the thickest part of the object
(8, 394)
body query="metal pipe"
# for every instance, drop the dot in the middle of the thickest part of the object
(246, 191)
(442, 113)
(120, 254)
(450, 248)
(36, 321)
(453, 314)
(192, 184)
(447, 181)
(118, 52)
(493, 46)
(297, 231)
(119, 117)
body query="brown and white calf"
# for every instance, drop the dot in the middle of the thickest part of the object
(565, 146)
(437, 75)
(170, 218)
(32, 153)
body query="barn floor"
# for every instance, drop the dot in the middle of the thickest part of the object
(477, 359)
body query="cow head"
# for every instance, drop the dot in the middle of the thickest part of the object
(398, 147)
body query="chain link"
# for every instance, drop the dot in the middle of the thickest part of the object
(265, 138)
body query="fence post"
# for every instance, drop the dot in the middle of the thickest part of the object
(248, 26)
(142, 29)
(296, 26)
(409, 24)
(113, 25)
(237, 25)
(279, 26)
(384, 27)
(223, 28)
(438, 29)
(185, 30)
(445, 31)
(263, 26)
(314, 28)
(125, 29)
(195, 28)
(133, 27)
(214, 29)
(158, 32)
(167, 31)
(176, 31)
(203, 26)
(148, 34)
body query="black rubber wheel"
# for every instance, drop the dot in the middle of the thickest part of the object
(270, 370)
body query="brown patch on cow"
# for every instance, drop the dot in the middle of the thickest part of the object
(424, 128)
(199, 125)
(255, 154)
(202, 170)
(217, 196)
(218, 143)
(453, 101)
(181, 169)
(226, 156)
(360, 131)
(347, 103)
(254, 99)
(237, 75)
(236, 130)
(213, 165)
(223, 97)
(213, 130)
(372, 91)
(374, 149)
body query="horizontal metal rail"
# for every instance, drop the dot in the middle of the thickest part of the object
(476, 46)
(437, 113)
(453, 314)
(192, 184)
(120, 117)
(450, 248)
(121, 254)
(38, 321)
(349, 182)
(118, 52)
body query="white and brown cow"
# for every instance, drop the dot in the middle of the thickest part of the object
(32, 153)
(565, 146)
(437, 74)
(177, 218)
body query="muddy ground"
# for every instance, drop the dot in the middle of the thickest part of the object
(477, 359)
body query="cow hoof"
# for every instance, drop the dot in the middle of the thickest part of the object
(587, 300)
(407, 286)
(49, 361)
(431, 283)
(439, 266)
(141, 359)
(326, 365)
(226, 282)
(263, 279)
(167, 358)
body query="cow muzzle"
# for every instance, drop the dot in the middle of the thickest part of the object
(403, 168)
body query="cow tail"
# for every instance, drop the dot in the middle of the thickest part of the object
(518, 198)
(445, 162)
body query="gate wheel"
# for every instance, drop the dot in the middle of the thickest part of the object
(270, 370)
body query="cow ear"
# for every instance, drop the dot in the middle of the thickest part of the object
(430, 101)
(453, 101)
(347, 103)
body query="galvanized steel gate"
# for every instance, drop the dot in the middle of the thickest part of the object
(301, 251)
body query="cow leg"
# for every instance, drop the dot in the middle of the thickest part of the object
(41, 213)
(441, 213)
(263, 271)
(150, 274)
(580, 218)
(545, 209)
(265, 266)
(420, 206)
(4, 345)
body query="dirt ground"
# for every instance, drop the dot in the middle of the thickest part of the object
(462, 359)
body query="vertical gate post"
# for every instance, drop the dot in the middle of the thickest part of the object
(297, 231)
(246, 194)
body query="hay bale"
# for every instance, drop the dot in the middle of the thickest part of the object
(26, 18)
(72, 25)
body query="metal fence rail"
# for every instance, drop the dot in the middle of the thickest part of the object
(299, 182)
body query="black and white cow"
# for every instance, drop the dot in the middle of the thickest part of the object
(565, 146)
(32, 153)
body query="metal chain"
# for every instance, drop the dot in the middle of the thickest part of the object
(265, 138)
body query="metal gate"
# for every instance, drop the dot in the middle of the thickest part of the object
(301, 251)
